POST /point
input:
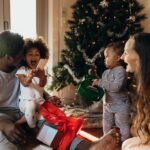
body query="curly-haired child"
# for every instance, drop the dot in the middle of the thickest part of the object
(32, 80)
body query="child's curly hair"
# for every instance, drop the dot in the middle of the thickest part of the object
(39, 44)
(118, 47)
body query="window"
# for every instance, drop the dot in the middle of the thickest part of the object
(23, 17)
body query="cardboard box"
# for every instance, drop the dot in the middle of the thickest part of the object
(49, 135)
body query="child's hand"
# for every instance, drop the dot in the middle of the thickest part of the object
(41, 75)
(32, 73)
(28, 79)
(96, 82)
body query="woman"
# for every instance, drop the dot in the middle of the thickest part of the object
(137, 57)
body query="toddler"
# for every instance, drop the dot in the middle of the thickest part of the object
(32, 80)
(116, 102)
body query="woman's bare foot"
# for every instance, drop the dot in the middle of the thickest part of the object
(21, 120)
(110, 141)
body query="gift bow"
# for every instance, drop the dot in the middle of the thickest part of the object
(68, 125)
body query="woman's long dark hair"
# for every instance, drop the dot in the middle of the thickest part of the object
(142, 120)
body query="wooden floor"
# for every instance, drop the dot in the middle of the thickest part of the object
(92, 134)
(97, 132)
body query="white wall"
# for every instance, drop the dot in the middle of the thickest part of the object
(41, 18)
(65, 15)
(59, 12)
(1, 16)
(4, 15)
(53, 32)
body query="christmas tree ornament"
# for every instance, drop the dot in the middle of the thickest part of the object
(104, 3)
(115, 17)
(72, 74)
(120, 35)
(94, 11)
(82, 21)
(100, 23)
(110, 33)
(132, 18)
(93, 43)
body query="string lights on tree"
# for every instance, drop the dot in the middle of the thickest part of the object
(94, 24)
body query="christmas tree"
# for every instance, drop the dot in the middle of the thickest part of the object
(94, 24)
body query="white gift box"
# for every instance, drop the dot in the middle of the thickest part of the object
(49, 135)
(42, 147)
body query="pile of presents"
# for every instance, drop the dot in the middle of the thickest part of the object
(63, 123)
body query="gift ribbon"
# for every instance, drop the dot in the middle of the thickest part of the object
(68, 125)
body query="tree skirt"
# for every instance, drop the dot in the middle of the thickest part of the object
(92, 115)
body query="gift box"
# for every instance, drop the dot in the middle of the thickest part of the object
(60, 130)
(42, 147)
(50, 135)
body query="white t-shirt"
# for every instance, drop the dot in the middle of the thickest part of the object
(9, 89)
(33, 91)
(135, 143)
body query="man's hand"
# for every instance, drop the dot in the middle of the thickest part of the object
(13, 132)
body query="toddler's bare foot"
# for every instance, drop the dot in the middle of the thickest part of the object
(110, 141)
(21, 120)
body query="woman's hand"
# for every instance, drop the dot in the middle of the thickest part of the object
(13, 132)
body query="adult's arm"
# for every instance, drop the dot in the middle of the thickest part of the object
(13, 132)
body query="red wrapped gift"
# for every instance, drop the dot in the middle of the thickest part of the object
(67, 126)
